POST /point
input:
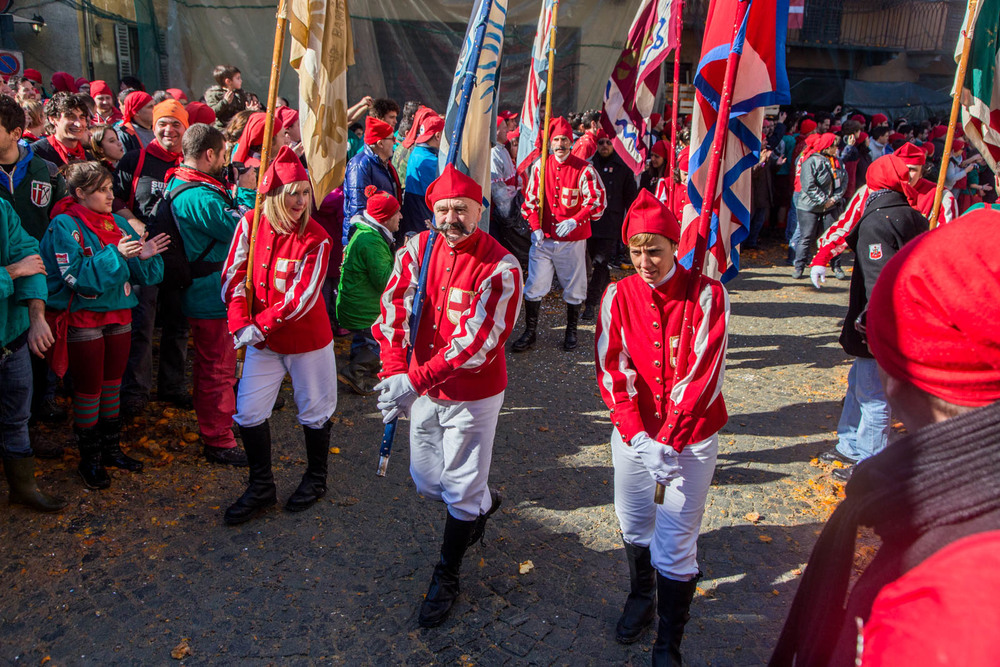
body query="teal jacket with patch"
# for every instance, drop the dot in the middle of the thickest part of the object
(78, 263)
(32, 189)
(204, 214)
(15, 245)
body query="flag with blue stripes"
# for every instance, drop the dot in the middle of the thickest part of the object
(533, 110)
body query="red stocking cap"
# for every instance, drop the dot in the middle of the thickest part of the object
(134, 102)
(177, 94)
(889, 172)
(661, 148)
(80, 83)
(285, 117)
(253, 136)
(859, 118)
(683, 158)
(99, 87)
(912, 154)
(451, 184)
(199, 112)
(63, 82)
(381, 205)
(560, 127)
(879, 119)
(929, 317)
(376, 130)
(928, 148)
(807, 126)
(284, 169)
(649, 215)
(938, 131)
(33, 75)
(431, 125)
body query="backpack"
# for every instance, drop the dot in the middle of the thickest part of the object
(178, 272)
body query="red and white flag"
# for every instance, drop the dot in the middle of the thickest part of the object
(533, 111)
(796, 14)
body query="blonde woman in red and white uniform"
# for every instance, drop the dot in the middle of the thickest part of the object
(285, 331)
(663, 433)
(574, 197)
(453, 385)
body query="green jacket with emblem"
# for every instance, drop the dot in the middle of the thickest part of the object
(32, 189)
(15, 245)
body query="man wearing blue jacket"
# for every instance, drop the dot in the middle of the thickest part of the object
(372, 166)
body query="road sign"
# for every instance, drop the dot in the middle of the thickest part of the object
(11, 63)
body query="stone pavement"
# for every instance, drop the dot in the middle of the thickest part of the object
(126, 575)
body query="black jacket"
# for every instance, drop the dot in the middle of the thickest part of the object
(621, 189)
(149, 187)
(887, 224)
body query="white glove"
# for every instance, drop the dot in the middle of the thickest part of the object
(537, 237)
(660, 460)
(396, 397)
(818, 275)
(248, 335)
(565, 227)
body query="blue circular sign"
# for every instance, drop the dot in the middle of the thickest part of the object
(9, 65)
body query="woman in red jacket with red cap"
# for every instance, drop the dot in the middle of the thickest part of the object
(285, 328)
(663, 432)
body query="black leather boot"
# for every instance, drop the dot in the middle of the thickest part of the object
(95, 476)
(112, 455)
(640, 606)
(673, 603)
(260, 493)
(527, 339)
(24, 489)
(572, 317)
(313, 484)
(480, 528)
(444, 586)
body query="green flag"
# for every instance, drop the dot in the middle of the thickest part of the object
(981, 94)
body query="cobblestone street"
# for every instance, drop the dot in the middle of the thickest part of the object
(127, 575)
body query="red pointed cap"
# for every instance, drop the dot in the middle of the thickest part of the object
(661, 148)
(649, 215)
(560, 127)
(98, 87)
(284, 169)
(911, 154)
(376, 130)
(451, 184)
(199, 112)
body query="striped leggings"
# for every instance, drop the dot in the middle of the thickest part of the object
(97, 358)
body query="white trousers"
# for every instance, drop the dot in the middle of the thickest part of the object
(671, 529)
(314, 381)
(451, 448)
(565, 259)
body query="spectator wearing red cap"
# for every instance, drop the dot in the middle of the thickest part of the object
(63, 82)
(931, 496)
(283, 324)
(136, 128)
(363, 277)
(421, 169)
(510, 118)
(822, 184)
(585, 147)
(574, 198)
(67, 114)
(453, 385)
(105, 112)
(660, 437)
(656, 167)
(372, 166)
(287, 120)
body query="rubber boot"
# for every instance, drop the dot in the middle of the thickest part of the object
(313, 484)
(24, 489)
(94, 474)
(673, 603)
(640, 606)
(480, 528)
(261, 492)
(444, 586)
(527, 339)
(112, 455)
(572, 317)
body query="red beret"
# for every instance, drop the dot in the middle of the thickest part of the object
(33, 75)
(661, 148)
(649, 215)
(285, 117)
(376, 130)
(134, 102)
(560, 127)
(381, 205)
(284, 169)
(928, 317)
(807, 126)
(451, 184)
(879, 119)
(911, 154)
(199, 112)
(99, 87)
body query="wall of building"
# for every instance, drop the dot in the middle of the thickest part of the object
(57, 47)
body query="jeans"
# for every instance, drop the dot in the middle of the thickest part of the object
(138, 379)
(757, 220)
(791, 226)
(810, 226)
(15, 404)
(863, 430)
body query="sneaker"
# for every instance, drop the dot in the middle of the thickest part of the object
(230, 456)
(832, 455)
(843, 474)
(839, 273)
(797, 274)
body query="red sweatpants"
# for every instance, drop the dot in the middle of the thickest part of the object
(214, 379)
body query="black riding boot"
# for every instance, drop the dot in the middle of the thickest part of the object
(112, 455)
(444, 587)
(527, 339)
(24, 489)
(673, 603)
(480, 529)
(95, 476)
(572, 317)
(260, 493)
(313, 484)
(640, 606)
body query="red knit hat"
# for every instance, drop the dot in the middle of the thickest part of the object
(285, 117)
(451, 184)
(957, 146)
(80, 83)
(862, 137)
(911, 154)
(376, 130)
(938, 131)
(253, 136)
(98, 87)
(649, 215)
(134, 102)
(859, 118)
(928, 148)
(199, 112)
(177, 94)
(63, 82)
(895, 136)
(683, 159)
(807, 126)
(661, 148)
(928, 316)
(33, 75)
(560, 127)
(381, 205)
(879, 119)
(284, 169)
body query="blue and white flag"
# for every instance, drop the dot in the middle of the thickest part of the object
(533, 110)
(471, 118)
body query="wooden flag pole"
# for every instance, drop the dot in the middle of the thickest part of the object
(548, 113)
(265, 159)
(963, 64)
(675, 112)
(707, 209)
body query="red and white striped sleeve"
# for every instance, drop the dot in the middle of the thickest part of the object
(595, 199)
(234, 279)
(304, 289)
(616, 374)
(691, 396)
(663, 190)
(529, 209)
(834, 240)
(949, 207)
(392, 328)
(482, 329)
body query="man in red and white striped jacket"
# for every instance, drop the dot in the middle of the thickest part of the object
(453, 385)
(574, 197)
